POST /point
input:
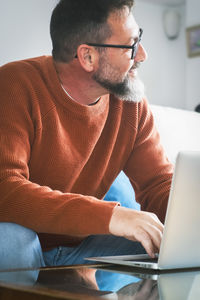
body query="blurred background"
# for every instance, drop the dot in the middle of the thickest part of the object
(171, 74)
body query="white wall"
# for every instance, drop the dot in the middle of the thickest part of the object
(24, 28)
(192, 64)
(164, 71)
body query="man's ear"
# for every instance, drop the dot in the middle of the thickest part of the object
(87, 57)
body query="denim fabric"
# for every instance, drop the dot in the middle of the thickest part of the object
(95, 245)
(19, 248)
(122, 191)
(99, 245)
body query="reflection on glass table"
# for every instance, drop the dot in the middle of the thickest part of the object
(90, 282)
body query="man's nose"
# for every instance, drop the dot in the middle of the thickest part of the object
(141, 54)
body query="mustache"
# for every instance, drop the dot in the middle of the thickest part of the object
(136, 65)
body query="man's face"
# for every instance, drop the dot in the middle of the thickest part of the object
(116, 72)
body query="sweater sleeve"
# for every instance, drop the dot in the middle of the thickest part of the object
(27, 203)
(148, 168)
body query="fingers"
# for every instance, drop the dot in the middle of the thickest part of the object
(149, 234)
(157, 222)
(152, 235)
(146, 240)
(155, 236)
(137, 226)
(148, 290)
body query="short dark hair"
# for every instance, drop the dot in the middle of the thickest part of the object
(74, 22)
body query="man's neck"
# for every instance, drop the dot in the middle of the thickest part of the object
(78, 84)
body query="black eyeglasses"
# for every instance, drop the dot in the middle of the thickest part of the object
(134, 47)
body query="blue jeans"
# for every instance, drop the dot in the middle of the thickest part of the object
(98, 245)
(20, 248)
(94, 245)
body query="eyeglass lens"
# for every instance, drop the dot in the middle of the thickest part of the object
(136, 45)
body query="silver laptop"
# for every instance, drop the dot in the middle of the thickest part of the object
(180, 246)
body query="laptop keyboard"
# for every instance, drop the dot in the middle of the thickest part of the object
(150, 260)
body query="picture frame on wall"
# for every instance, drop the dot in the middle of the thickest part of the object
(193, 40)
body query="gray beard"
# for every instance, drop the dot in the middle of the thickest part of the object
(134, 91)
(130, 89)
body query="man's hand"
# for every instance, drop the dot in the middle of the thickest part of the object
(140, 226)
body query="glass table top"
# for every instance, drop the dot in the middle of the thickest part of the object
(99, 282)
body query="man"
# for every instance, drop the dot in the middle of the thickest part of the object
(69, 124)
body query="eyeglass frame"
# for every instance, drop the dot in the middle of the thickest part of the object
(134, 47)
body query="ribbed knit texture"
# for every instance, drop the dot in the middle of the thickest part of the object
(58, 158)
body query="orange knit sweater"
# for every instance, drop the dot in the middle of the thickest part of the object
(58, 158)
